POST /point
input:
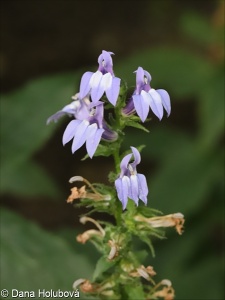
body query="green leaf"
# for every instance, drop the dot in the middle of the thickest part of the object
(102, 266)
(136, 125)
(148, 211)
(134, 291)
(102, 150)
(33, 259)
(112, 176)
(141, 255)
(148, 242)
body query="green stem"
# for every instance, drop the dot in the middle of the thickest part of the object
(118, 213)
(116, 157)
(118, 208)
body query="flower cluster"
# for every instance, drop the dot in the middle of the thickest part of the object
(119, 269)
(89, 126)
(88, 111)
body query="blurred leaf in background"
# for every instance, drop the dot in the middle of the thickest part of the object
(23, 131)
(33, 259)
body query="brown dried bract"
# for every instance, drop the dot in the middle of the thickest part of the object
(173, 220)
(87, 287)
(167, 292)
(141, 271)
(114, 250)
(85, 236)
(76, 193)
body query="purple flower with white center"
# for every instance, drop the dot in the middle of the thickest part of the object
(88, 126)
(145, 97)
(103, 80)
(131, 184)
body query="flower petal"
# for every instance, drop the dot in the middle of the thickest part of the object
(106, 56)
(137, 157)
(139, 78)
(124, 163)
(80, 136)
(148, 77)
(141, 104)
(97, 89)
(69, 109)
(129, 108)
(122, 187)
(106, 81)
(133, 191)
(56, 116)
(142, 188)
(112, 92)
(70, 131)
(156, 103)
(85, 84)
(108, 134)
(98, 115)
(93, 138)
(105, 62)
(73, 106)
(95, 79)
(165, 100)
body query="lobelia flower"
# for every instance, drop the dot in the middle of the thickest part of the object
(145, 97)
(103, 80)
(130, 183)
(88, 126)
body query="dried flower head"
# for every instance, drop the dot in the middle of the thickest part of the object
(81, 193)
(77, 193)
(114, 249)
(173, 220)
(88, 234)
(146, 273)
(85, 236)
(167, 291)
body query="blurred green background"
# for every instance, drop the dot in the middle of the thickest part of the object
(45, 48)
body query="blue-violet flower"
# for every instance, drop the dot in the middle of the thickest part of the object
(130, 183)
(144, 97)
(88, 126)
(103, 80)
